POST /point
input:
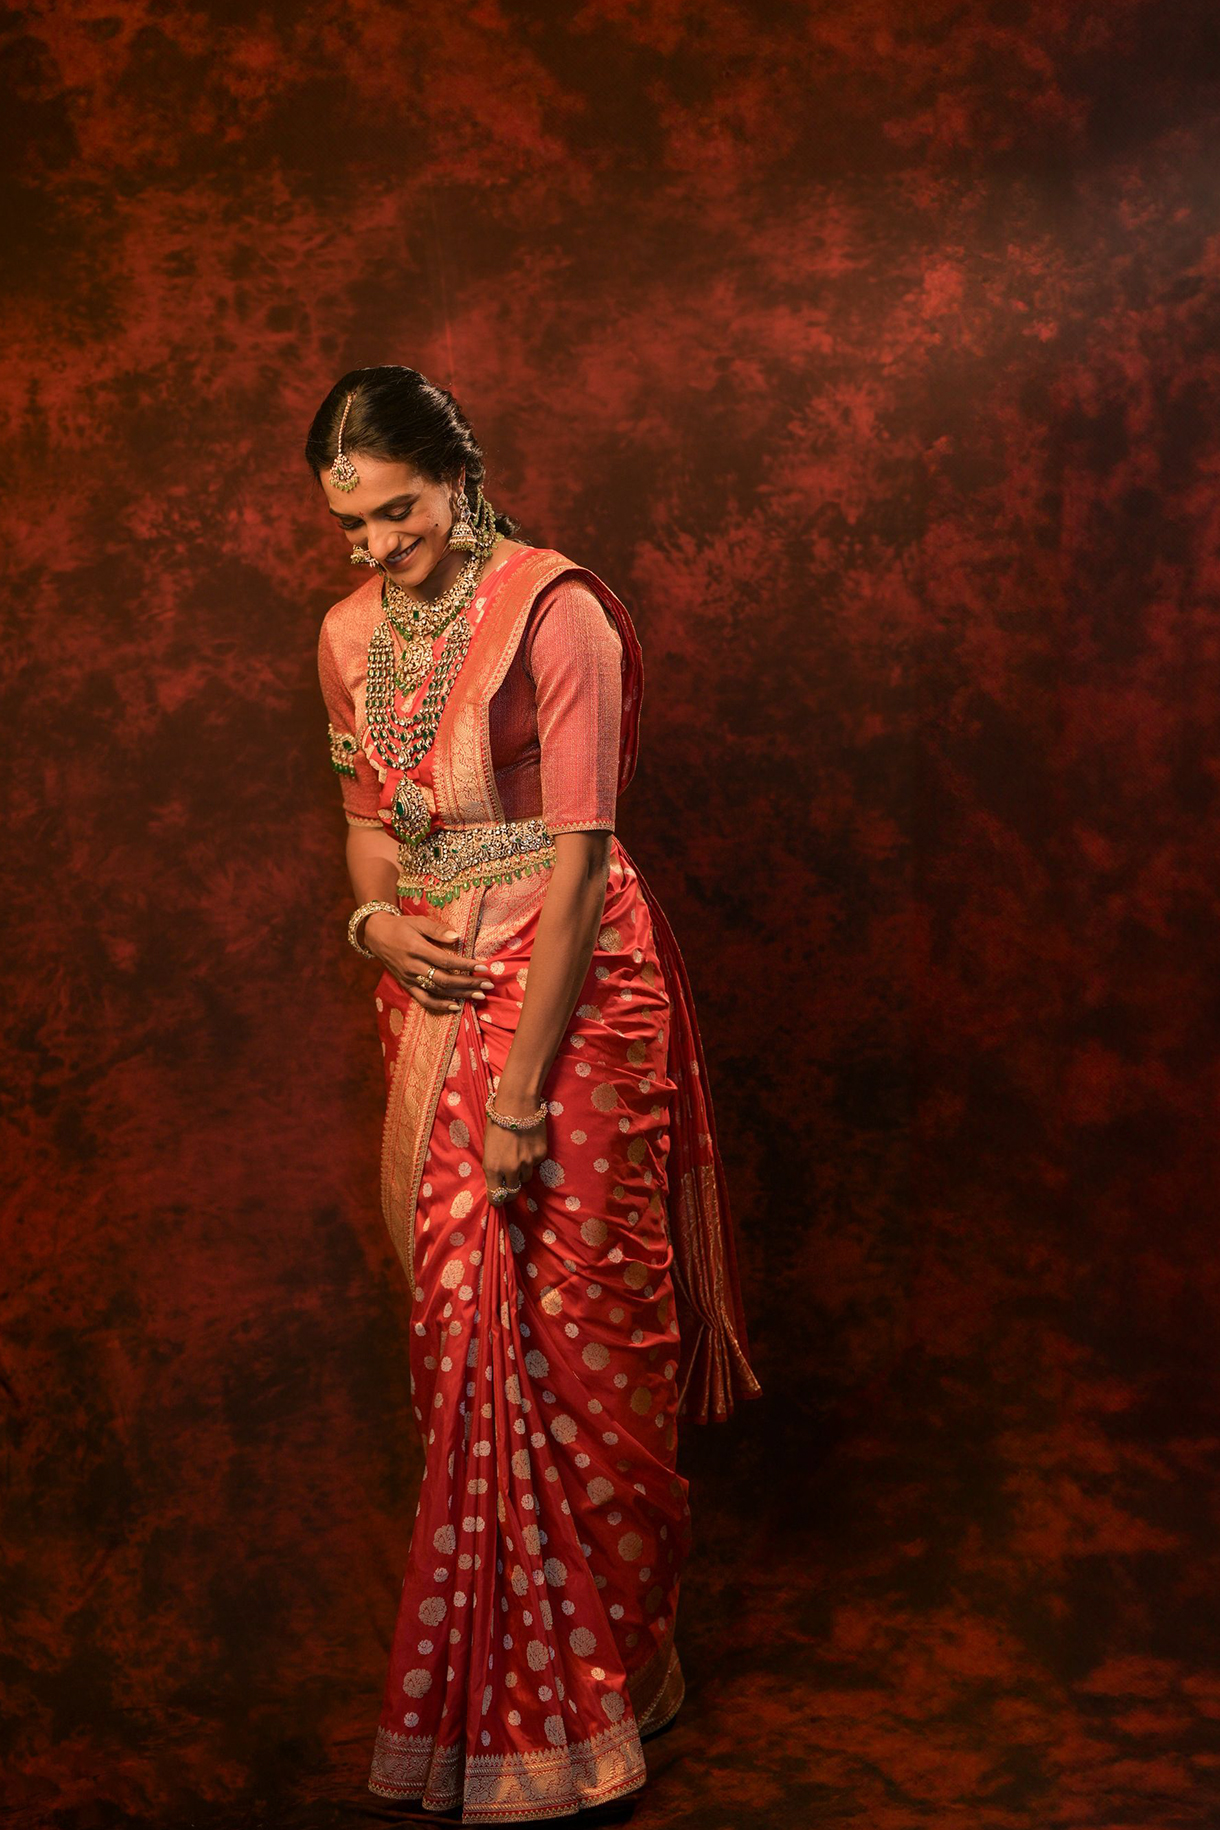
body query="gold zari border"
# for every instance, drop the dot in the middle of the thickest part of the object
(503, 1788)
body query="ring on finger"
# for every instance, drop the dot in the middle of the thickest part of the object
(425, 983)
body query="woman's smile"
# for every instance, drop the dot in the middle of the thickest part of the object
(401, 557)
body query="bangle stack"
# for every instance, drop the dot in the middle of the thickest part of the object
(358, 915)
(514, 1124)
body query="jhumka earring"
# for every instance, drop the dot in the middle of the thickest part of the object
(343, 471)
(462, 533)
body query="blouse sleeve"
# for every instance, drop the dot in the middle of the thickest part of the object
(572, 653)
(359, 784)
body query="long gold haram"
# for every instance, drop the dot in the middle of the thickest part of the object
(403, 745)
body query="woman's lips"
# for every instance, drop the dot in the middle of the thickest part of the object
(399, 559)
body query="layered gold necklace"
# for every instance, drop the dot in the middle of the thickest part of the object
(419, 622)
(402, 743)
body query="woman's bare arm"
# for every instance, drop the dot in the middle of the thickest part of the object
(563, 946)
(407, 944)
(372, 865)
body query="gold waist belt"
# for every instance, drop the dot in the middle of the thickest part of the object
(441, 865)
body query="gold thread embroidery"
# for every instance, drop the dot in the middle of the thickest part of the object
(658, 1688)
(424, 1052)
(506, 909)
(498, 1787)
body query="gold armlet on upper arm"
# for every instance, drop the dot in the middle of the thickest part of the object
(343, 747)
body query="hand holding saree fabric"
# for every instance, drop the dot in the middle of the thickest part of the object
(407, 945)
(410, 946)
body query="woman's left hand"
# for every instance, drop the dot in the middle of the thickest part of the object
(511, 1157)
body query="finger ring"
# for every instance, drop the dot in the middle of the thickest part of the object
(515, 1189)
(425, 983)
(498, 1196)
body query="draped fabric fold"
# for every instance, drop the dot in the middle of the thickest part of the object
(713, 1369)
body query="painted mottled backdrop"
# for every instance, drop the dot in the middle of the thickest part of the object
(869, 351)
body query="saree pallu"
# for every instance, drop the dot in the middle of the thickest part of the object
(556, 1341)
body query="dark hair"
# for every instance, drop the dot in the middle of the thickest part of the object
(400, 416)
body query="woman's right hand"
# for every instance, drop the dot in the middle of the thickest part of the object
(410, 944)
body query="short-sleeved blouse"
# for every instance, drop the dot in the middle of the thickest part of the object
(553, 723)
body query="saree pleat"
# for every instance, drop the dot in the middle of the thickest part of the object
(534, 1642)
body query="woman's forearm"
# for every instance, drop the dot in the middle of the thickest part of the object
(568, 924)
(372, 865)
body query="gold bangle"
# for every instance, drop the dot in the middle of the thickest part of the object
(514, 1124)
(360, 914)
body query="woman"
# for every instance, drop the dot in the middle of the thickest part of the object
(549, 1169)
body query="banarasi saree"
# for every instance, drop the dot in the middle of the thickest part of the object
(556, 1341)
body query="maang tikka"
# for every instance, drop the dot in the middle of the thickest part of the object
(343, 471)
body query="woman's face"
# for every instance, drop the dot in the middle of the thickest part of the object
(402, 519)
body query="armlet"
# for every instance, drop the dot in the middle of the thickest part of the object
(343, 747)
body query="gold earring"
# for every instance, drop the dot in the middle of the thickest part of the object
(462, 534)
(343, 471)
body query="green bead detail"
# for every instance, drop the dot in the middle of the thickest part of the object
(438, 898)
(343, 747)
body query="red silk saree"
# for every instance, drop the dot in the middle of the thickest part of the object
(555, 1342)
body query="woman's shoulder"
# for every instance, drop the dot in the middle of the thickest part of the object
(568, 624)
(547, 564)
(356, 606)
(348, 624)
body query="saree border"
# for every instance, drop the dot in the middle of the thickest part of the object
(464, 781)
(501, 1787)
(425, 1049)
(657, 1689)
(426, 1045)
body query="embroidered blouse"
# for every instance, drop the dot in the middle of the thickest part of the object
(553, 723)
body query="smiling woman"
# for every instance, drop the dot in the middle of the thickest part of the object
(549, 1173)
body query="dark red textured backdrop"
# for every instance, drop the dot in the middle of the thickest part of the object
(869, 351)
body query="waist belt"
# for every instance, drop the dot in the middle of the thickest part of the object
(441, 865)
